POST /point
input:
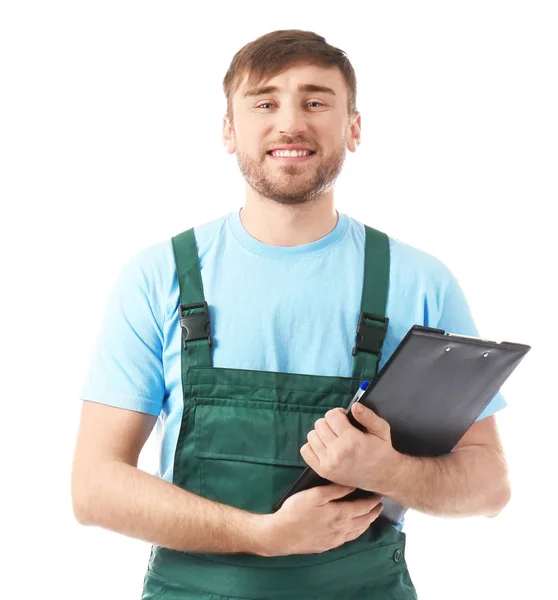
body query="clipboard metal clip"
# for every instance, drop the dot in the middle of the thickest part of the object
(370, 338)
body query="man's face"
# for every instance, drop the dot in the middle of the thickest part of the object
(316, 119)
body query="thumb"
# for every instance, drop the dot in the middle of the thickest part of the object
(367, 417)
(327, 493)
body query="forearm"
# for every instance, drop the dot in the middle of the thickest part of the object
(470, 481)
(130, 501)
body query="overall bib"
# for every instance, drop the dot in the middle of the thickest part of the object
(239, 444)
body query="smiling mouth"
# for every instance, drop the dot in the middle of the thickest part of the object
(292, 159)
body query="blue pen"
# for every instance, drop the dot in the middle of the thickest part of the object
(357, 396)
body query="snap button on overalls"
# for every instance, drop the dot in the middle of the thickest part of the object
(239, 444)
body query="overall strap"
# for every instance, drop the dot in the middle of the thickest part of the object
(371, 329)
(193, 309)
(373, 323)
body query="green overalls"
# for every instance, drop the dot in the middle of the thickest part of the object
(239, 444)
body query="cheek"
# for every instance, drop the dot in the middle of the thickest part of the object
(331, 139)
(251, 150)
(249, 138)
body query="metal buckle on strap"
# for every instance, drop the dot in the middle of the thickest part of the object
(196, 326)
(370, 338)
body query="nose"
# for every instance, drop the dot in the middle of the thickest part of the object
(292, 120)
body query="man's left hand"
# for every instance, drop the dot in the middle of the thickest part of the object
(343, 454)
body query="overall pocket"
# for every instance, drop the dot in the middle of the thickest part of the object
(249, 451)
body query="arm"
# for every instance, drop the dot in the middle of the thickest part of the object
(108, 490)
(471, 480)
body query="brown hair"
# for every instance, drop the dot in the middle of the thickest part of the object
(273, 52)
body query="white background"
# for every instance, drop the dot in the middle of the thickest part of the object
(110, 128)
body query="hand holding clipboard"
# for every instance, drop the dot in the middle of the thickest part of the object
(430, 391)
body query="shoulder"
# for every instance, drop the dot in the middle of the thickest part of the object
(207, 233)
(150, 267)
(416, 260)
(408, 262)
(409, 265)
(151, 271)
(209, 237)
(145, 280)
(412, 265)
(154, 265)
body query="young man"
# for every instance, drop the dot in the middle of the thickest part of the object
(238, 337)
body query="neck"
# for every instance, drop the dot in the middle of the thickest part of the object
(278, 224)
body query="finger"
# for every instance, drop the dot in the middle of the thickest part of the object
(316, 444)
(326, 433)
(360, 525)
(338, 422)
(365, 520)
(309, 456)
(331, 491)
(371, 421)
(357, 508)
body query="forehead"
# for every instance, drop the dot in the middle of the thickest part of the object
(296, 76)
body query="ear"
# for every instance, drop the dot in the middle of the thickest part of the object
(228, 135)
(353, 139)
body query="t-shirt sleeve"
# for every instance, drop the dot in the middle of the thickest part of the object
(126, 366)
(456, 318)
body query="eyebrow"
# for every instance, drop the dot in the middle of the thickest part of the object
(270, 89)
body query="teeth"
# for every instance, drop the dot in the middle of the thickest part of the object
(291, 153)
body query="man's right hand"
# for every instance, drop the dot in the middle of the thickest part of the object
(309, 522)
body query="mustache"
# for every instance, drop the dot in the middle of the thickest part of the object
(292, 143)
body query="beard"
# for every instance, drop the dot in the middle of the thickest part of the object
(291, 184)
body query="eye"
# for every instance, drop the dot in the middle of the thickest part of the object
(269, 104)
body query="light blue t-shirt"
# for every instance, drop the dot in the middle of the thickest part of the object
(292, 309)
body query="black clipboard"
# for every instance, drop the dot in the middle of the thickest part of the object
(430, 391)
